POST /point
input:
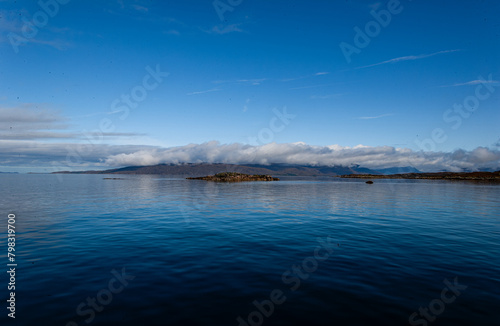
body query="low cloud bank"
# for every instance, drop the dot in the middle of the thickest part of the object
(80, 156)
(301, 153)
(35, 138)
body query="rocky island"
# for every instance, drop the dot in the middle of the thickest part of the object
(235, 177)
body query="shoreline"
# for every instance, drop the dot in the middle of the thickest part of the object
(467, 176)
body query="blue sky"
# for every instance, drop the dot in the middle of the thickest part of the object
(288, 82)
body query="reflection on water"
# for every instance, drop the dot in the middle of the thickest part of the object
(202, 252)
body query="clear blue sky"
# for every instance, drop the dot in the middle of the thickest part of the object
(390, 91)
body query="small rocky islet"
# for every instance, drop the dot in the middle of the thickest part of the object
(235, 177)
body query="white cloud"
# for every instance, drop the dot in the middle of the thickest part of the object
(324, 97)
(28, 122)
(140, 8)
(38, 154)
(245, 107)
(28, 138)
(172, 32)
(474, 82)
(254, 81)
(203, 92)
(314, 86)
(221, 29)
(11, 28)
(408, 58)
(376, 117)
(321, 73)
(301, 153)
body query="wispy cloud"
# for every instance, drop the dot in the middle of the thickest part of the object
(56, 44)
(375, 5)
(314, 86)
(254, 81)
(408, 58)
(224, 29)
(11, 21)
(30, 117)
(134, 7)
(11, 27)
(324, 97)
(245, 107)
(203, 92)
(306, 76)
(28, 122)
(172, 32)
(375, 117)
(258, 81)
(140, 8)
(474, 82)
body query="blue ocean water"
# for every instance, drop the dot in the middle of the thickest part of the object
(154, 250)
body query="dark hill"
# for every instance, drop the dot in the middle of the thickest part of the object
(202, 169)
(398, 170)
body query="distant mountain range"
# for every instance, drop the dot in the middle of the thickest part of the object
(399, 170)
(354, 171)
(203, 169)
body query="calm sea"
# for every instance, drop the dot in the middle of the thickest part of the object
(153, 250)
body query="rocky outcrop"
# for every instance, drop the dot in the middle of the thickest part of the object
(235, 177)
